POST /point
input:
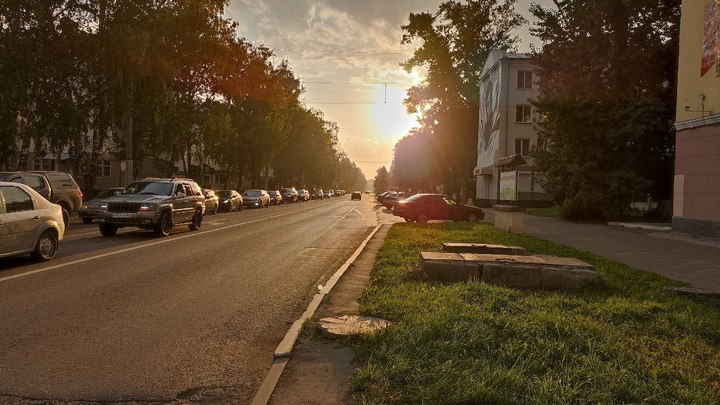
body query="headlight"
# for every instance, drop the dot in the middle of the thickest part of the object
(147, 207)
(103, 206)
(226, 201)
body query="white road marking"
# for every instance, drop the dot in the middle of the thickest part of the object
(147, 245)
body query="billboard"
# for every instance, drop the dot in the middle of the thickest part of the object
(509, 186)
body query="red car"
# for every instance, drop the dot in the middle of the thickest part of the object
(424, 207)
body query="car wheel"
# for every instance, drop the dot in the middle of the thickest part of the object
(472, 217)
(86, 220)
(164, 224)
(46, 246)
(421, 217)
(215, 210)
(108, 229)
(196, 221)
(408, 219)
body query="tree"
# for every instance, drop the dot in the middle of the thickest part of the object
(382, 180)
(455, 42)
(607, 96)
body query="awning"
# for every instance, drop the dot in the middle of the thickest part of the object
(510, 162)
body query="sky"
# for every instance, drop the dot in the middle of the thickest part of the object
(347, 54)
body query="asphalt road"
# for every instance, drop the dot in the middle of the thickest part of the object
(192, 317)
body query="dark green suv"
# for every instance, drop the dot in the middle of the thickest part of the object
(154, 204)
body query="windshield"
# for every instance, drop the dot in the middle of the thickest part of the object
(149, 187)
(252, 193)
(107, 193)
(223, 194)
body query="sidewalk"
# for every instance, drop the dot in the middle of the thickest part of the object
(682, 257)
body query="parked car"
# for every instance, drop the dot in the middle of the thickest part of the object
(211, 201)
(356, 195)
(289, 194)
(275, 197)
(303, 195)
(29, 223)
(57, 187)
(424, 207)
(328, 193)
(391, 199)
(229, 200)
(339, 193)
(154, 204)
(382, 195)
(256, 198)
(91, 209)
(318, 194)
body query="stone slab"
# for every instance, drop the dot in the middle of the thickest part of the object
(449, 267)
(566, 278)
(482, 248)
(711, 296)
(509, 270)
(346, 325)
(511, 275)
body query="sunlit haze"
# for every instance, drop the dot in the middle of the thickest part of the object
(348, 54)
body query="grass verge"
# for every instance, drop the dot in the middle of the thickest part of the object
(544, 212)
(619, 342)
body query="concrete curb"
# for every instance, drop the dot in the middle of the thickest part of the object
(283, 350)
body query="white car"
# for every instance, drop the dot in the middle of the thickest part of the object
(28, 223)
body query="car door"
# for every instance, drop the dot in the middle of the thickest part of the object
(19, 220)
(455, 211)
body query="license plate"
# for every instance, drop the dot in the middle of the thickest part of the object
(122, 215)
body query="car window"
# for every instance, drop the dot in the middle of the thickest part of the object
(35, 182)
(196, 188)
(149, 187)
(449, 201)
(252, 193)
(60, 180)
(107, 193)
(16, 199)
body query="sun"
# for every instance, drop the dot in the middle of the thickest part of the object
(389, 119)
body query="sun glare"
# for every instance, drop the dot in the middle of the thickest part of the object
(388, 116)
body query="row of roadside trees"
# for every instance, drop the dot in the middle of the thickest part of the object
(172, 76)
(607, 78)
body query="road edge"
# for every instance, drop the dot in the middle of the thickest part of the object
(283, 350)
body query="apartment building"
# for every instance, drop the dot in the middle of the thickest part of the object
(696, 203)
(506, 133)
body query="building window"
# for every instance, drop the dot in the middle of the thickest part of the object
(44, 164)
(523, 114)
(541, 144)
(522, 146)
(105, 168)
(524, 79)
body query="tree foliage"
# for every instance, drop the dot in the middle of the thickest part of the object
(607, 87)
(173, 74)
(453, 45)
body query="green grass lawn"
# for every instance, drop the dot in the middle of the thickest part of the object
(618, 342)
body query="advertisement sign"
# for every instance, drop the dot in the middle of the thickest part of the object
(508, 186)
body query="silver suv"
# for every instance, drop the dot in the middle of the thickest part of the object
(154, 204)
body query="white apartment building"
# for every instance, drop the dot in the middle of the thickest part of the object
(506, 134)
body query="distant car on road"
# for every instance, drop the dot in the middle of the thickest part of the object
(328, 193)
(211, 201)
(91, 209)
(275, 197)
(256, 198)
(424, 207)
(356, 195)
(318, 194)
(289, 194)
(229, 200)
(154, 204)
(29, 223)
(303, 195)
